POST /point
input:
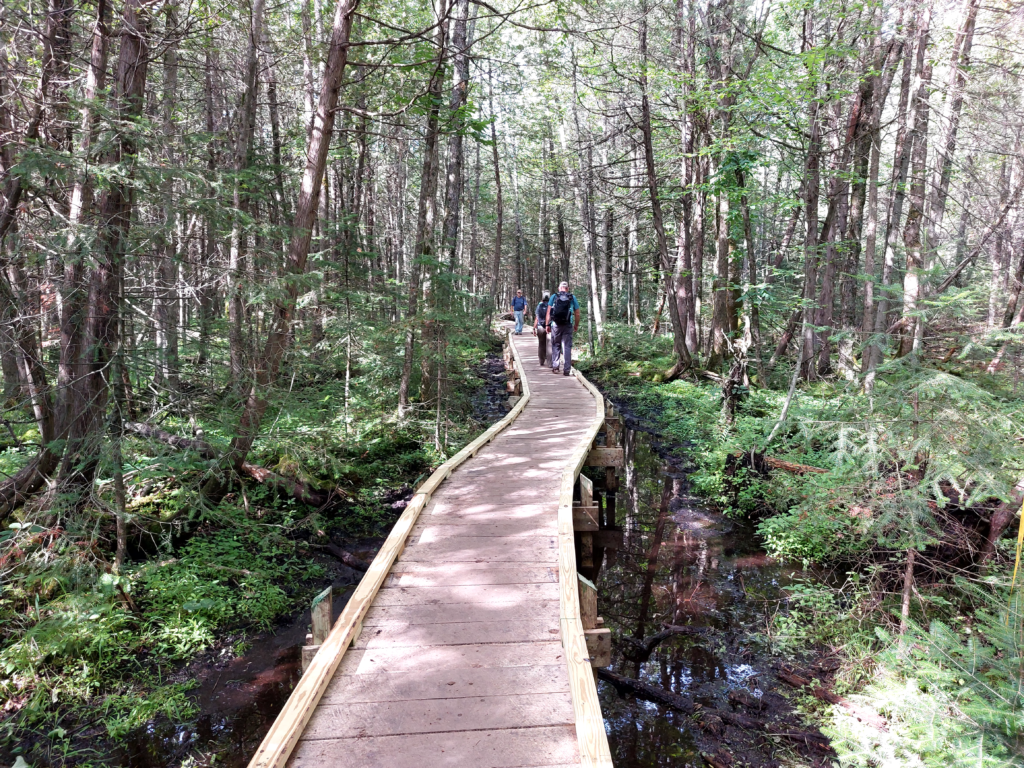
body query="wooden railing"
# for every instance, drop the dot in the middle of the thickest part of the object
(284, 734)
(590, 733)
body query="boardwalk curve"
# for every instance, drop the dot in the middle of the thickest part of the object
(463, 644)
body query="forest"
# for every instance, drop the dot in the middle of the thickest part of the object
(254, 257)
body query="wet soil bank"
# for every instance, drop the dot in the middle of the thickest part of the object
(684, 565)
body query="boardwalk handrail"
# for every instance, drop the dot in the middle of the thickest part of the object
(284, 734)
(590, 733)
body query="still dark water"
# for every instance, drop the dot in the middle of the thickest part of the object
(682, 564)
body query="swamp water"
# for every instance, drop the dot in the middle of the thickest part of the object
(682, 564)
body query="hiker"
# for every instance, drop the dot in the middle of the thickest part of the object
(519, 309)
(564, 320)
(540, 328)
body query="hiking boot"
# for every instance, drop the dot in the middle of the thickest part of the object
(567, 373)
(554, 371)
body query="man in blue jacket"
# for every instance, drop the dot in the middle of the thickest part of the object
(519, 309)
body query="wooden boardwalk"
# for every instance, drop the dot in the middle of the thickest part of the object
(460, 658)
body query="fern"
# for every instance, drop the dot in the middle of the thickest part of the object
(954, 697)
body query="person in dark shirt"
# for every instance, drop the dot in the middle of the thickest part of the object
(540, 328)
(518, 310)
(564, 320)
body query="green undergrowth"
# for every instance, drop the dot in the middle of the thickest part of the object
(88, 650)
(916, 466)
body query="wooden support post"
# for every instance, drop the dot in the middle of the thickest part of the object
(588, 603)
(611, 484)
(612, 433)
(605, 457)
(308, 652)
(587, 550)
(322, 616)
(321, 619)
(586, 491)
(599, 646)
(584, 519)
(598, 639)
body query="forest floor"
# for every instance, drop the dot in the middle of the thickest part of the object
(186, 655)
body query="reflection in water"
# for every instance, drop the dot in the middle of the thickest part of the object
(681, 565)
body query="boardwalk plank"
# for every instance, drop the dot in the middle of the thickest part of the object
(388, 615)
(488, 548)
(459, 633)
(475, 713)
(430, 683)
(451, 593)
(512, 748)
(427, 531)
(467, 574)
(448, 657)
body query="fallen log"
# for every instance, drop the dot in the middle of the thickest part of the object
(154, 432)
(346, 557)
(790, 466)
(759, 462)
(16, 489)
(646, 646)
(297, 489)
(795, 680)
(710, 719)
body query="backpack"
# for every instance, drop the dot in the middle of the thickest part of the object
(561, 308)
(542, 314)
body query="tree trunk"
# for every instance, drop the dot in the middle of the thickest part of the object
(871, 353)
(73, 366)
(683, 360)
(1015, 287)
(910, 338)
(585, 193)
(457, 105)
(166, 304)
(944, 161)
(900, 167)
(298, 251)
(115, 214)
(426, 211)
(811, 191)
(607, 283)
(240, 200)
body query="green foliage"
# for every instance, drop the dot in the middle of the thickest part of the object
(230, 575)
(115, 638)
(823, 616)
(953, 692)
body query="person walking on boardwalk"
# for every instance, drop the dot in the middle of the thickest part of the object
(564, 320)
(540, 328)
(518, 310)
